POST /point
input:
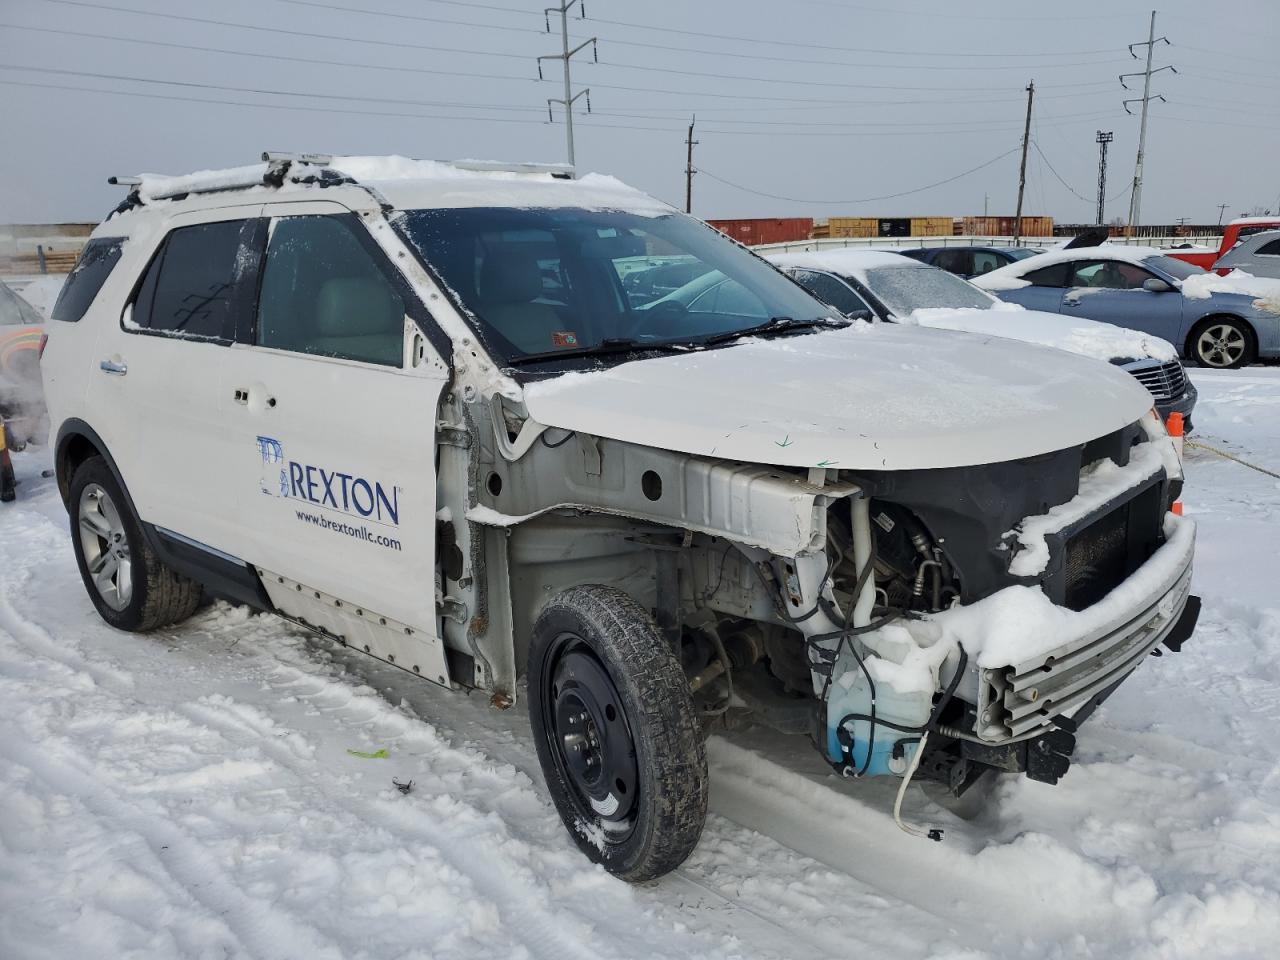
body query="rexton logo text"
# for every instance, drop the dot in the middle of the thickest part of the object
(348, 493)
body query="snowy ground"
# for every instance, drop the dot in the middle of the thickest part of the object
(191, 794)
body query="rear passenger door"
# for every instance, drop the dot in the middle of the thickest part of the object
(159, 373)
(1111, 291)
(1044, 289)
(335, 395)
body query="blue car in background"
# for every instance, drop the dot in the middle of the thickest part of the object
(969, 261)
(1222, 322)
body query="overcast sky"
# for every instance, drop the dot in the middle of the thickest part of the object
(812, 100)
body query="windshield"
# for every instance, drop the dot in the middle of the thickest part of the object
(907, 289)
(1021, 253)
(542, 281)
(1178, 269)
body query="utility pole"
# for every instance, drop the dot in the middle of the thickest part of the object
(1022, 172)
(1222, 209)
(1103, 139)
(1135, 201)
(688, 168)
(565, 56)
(985, 198)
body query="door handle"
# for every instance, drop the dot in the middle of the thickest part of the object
(116, 367)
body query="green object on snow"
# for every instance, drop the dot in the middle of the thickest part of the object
(376, 755)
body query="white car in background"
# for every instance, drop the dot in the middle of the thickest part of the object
(895, 288)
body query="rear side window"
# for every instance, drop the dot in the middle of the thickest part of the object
(1054, 276)
(324, 293)
(1271, 249)
(196, 285)
(830, 290)
(97, 260)
(955, 261)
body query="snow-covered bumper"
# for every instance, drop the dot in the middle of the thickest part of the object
(1097, 647)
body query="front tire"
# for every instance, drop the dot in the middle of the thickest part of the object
(618, 736)
(1223, 343)
(128, 584)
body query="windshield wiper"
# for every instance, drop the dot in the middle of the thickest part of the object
(776, 325)
(608, 345)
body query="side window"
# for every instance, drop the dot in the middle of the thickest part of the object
(954, 261)
(324, 293)
(984, 261)
(98, 258)
(830, 290)
(1270, 249)
(195, 285)
(1108, 275)
(1054, 276)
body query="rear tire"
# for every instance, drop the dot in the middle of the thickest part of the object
(618, 737)
(1222, 343)
(129, 585)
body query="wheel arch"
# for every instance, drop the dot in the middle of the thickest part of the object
(76, 442)
(1194, 331)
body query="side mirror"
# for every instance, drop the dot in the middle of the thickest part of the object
(1156, 285)
(860, 315)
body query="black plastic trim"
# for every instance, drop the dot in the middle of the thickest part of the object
(223, 575)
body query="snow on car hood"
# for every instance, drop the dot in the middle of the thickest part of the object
(1089, 338)
(1265, 292)
(870, 396)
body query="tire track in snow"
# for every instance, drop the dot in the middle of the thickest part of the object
(261, 928)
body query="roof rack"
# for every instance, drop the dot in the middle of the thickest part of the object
(276, 167)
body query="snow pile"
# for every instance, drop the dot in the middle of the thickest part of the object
(1019, 624)
(155, 186)
(1266, 292)
(410, 183)
(1090, 338)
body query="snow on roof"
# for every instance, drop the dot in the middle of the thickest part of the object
(408, 183)
(1244, 221)
(1009, 277)
(851, 262)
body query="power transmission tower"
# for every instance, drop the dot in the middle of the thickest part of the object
(1135, 201)
(1222, 209)
(688, 168)
(565, 56)
(1022, 172)
(1103, 139)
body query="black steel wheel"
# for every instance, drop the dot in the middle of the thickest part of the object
(617, 733)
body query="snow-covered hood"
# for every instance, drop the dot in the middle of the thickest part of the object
(1089, 338)
(869, 397)
(1261, 293)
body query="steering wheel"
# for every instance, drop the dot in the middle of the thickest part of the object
(658, 314)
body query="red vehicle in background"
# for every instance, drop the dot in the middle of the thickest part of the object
(1236, 229)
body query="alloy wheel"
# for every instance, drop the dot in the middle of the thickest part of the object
(1220, 345)
(106, 546)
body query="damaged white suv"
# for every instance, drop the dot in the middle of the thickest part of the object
(456, 416)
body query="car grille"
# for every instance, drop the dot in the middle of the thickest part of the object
(1099, 557)
(1166, 381)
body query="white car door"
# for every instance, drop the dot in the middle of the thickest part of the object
(336, 393)
(156, 390)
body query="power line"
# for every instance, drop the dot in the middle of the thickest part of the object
(364, 11)
(888, 196)
(423, 70)
(362, 112)
(268, 91)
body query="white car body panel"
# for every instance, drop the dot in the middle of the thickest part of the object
(867, 397)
